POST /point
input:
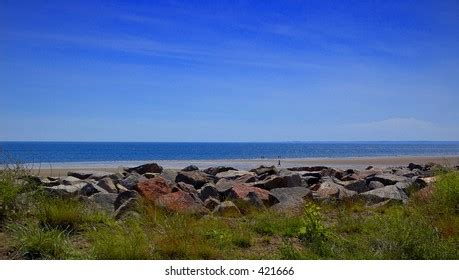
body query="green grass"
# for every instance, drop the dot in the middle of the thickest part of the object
(46, 227)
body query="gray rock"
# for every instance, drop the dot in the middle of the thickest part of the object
(233, 174)
(69, 180)
(209, 190)
(125, 209)
(104, 201)
(132, 180)
(194, 178)
(90, 189)
(284, 194)
(372, 185)
(264, 170)
(170, 175)
(227, 209)
(89, 174)
(388, 179)
(254, 200)
(331, 190)
(107, 184)
(215, 170)
(125, 196)
(146, 168)
(390, 192)
(48, 182)
(181, 186)
(211, 203)
(65, 190)
(191, 168)
(358, 186)
(280, 181)
(310, 180)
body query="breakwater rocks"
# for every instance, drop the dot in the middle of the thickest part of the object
(228, 192)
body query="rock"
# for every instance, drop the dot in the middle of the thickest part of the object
(412, 166)
(375, 185)
(107, 184)
(64, 190)
(412, 186)
(306, 168)
(390, 192)
(48, 182)
(90, 189)
(209, 191)
(264, 170)
(358, 186)
(180, 202)
(170, 175)
(104, 201)
(88, 174)
(310, 180)
(69, 180)
(125, 196)
(132, 180)
(233, 174)
(255, 201)
(227, 209)
(241, 192)
(369, 167)
(149, 175)
(303, 174)
(123, 210)
(194, 178)
(210, 203)
(152, 189)
(285, 181)
(388, 179)
(181, 186)
(329, 189)
(146, 168)
(120, 188)
(190, 168)
(285, 194)
(215, 170)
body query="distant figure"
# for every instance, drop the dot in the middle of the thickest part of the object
(278, 163)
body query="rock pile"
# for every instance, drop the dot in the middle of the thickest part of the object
(220, 189)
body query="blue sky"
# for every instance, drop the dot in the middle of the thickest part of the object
(229, 70)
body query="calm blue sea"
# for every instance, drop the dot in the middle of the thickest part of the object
(47, 152)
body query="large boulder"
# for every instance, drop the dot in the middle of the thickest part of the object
(308, 168)
(131, 181)
(104, 201)
(69, 180)
(242, 191)
(388, 179)
(181, 202)
(152, 189)
(181, 186)
(330, 190)
(372, 185)
(146, 168)
(358, 186)
(215, 170)
(129, 208)
(191, 168)
(194, 178)
(290, 199)
(391, 192)
(264, 170)
(65, 190)
(289, 180)
(209, 190)
(108, 184)
(90, 189)
(211, 203)
(170, 175)
(89, 174)
(125, 196)
(233, 174)
(227, 209)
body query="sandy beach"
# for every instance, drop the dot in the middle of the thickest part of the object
(60, 169)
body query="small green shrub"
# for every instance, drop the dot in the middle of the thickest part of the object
(34, 242)
(446, 192)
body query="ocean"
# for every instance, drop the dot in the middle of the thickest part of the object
(74, 152)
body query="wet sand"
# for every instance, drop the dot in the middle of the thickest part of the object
(61, 169)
